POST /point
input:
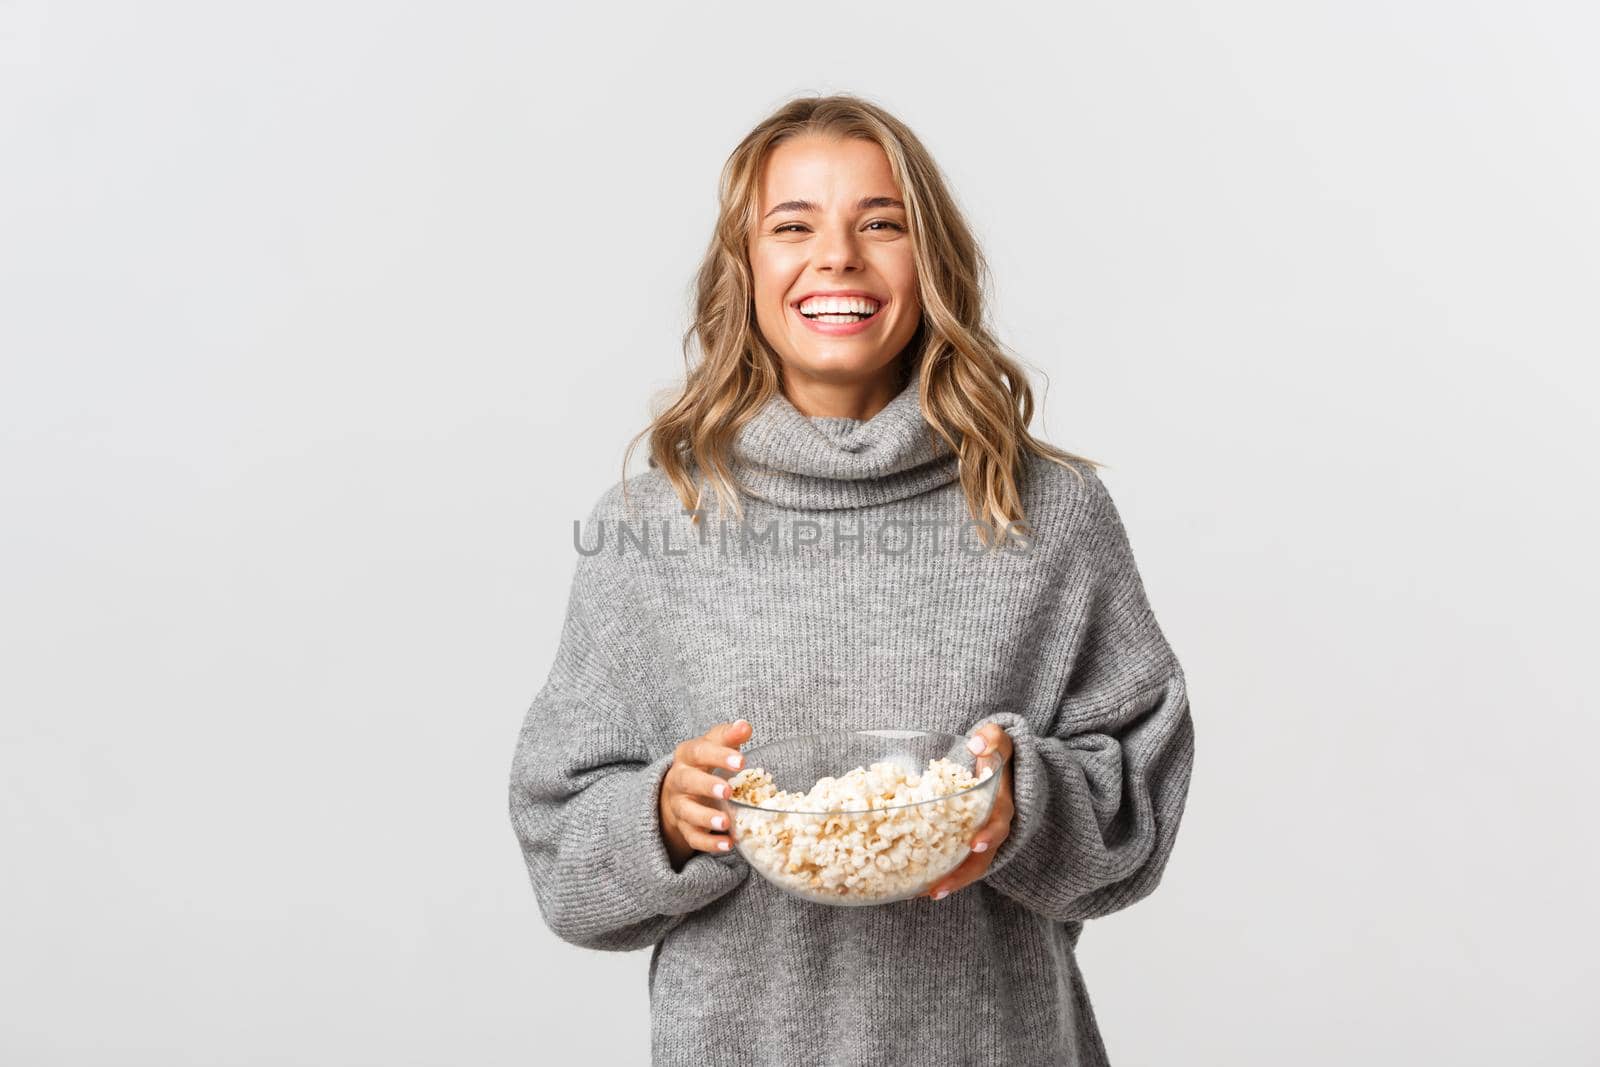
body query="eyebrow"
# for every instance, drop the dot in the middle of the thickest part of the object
(866, 204)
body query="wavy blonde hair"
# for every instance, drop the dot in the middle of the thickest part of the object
(973, 394)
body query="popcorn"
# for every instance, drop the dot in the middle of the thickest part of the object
(868, 836)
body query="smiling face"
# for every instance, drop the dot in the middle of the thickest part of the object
(830, 221)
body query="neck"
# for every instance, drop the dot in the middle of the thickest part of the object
(818, 398)
(819, 462)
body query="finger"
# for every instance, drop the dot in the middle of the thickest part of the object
(993, 832)
(990, 737)
(713, 746)
(967, 872)
(732, 733)
(697, 783)
(693, 814)
(708, 753)
(695, 823)
(706, 841)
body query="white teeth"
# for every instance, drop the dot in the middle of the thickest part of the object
(839, 305)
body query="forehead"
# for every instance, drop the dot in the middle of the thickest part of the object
(826, 170)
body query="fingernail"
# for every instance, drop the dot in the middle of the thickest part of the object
(721, 789)
(980, 846)
(976, 745)
(941, 894)
(740, 722)
(734, 760)
(723, 845)
(719, 822)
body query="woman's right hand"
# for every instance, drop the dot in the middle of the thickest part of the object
(691, 821)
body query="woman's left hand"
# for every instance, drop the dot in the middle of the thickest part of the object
(997, 829)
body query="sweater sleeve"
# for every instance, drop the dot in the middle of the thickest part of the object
(1100, 795)
(584, 802)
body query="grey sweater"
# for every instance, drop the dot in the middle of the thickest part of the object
(851, 597)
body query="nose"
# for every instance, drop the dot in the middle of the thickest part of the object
(836, 250)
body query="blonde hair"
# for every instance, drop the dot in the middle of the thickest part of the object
(973, 394)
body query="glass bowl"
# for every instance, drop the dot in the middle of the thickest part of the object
(858, 848)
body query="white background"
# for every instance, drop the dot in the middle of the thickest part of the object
(321, 322)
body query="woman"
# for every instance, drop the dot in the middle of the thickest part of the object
(903, 554)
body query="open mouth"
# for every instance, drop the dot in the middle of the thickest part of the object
(839, 310)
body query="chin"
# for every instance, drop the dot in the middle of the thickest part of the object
(842, 366)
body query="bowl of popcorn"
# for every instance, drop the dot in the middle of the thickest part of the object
(861, 817)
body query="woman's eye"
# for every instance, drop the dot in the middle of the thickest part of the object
(798, 228)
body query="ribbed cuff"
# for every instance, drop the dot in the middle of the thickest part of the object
(640, 852)
(1029, 785)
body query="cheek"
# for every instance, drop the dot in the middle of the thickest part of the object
(901, 274)
(771, 283)
(906, 310)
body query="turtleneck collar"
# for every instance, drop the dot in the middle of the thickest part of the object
(830, 462)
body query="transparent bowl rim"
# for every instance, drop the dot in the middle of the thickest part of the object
(987, 783)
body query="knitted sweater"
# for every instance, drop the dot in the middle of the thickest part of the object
(852, 598)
